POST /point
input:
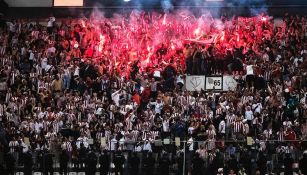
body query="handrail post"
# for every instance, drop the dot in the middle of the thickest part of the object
(183, 158)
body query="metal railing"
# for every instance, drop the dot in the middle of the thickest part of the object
(169, 148)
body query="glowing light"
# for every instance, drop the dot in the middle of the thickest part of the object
(264, 19)
(223, 36)
(101, 42)
(164, 19)
(126, 0)
(172, 47)
(102, 38)
(197, 31)
(83, 24)
(139, 38)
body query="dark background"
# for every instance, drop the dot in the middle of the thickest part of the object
(276, 8)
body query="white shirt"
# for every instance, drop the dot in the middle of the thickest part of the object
(165, 126)
(179, 79)
(83, 140)
(44, 63)
(23, 51)
(222, 127)
(249, 115)
(158, 107)
(190, 130)
(99, 111)
(67, 72)
(266, 57)
(76, 73)
(122, 142)
(191, 144)
(257, 107)
(51, 50)
(138, 148)
(38, 126)
(12, 27)
(157, 74)
(50, 22)
(31, 57)
(147, 147)
(113, 144)
(25, 147)
(115, 97)
(249, 70)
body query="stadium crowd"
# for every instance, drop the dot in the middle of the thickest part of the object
(66, 96)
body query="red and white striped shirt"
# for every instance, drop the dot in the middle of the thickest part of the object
(218, 111)
(237, 126)
(135, 134)
(13, 146)
(230, 119)
(154, 134)
(280, 136)
(267, 75)
(67, 146)
(211, 133)
(99, 135)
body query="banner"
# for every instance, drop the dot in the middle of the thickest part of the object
(214, 83)
(177, 141)
(68, 3)
(195, 83)
(166, 141)
(217, 83)
(229, 83)
(249, 141)
(103, 142)
(27, 141)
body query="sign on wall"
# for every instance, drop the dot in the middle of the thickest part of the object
(214, 83)
(229, 83)
(218, 83)
(68, 3)
(195, 83)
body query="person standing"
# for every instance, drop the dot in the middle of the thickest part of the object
(91, 162)
(50, 24)
(232, 164)
(288, 162)
(104, 162)
(262, 163)
(64, 158)
(164, 164)
(14, 147)
(119, 161)
(197, 56)
(180, 162)
(28, 163)
(134, 162)
(303, 163)
(198, 164)
(189, 61)
(10, 163)
(148, 164)
(250, 77)
(48, 167)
